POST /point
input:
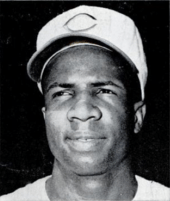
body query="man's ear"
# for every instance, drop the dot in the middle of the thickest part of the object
(140, 111)
(43, 111)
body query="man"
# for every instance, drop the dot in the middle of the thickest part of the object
(90, 67)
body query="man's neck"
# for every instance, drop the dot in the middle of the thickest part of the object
(117, 184)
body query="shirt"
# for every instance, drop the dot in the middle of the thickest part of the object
(146, 190)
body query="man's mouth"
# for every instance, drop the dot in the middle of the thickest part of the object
(85, 142)
(84, 138)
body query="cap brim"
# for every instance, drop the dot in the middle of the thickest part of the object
(38, 59)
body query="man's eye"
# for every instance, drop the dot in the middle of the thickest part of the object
(105, 91)
(62, 93)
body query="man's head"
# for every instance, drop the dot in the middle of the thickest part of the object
(89, 113)
(93, 99)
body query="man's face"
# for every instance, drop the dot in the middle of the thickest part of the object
(88, 122)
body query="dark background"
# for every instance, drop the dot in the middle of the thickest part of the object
(25, 156)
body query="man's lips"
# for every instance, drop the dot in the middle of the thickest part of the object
(84, 136)
(83, 141)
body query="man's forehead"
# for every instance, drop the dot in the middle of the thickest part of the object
(84, 59)
(83, 65)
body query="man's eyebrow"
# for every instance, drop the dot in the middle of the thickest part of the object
(62, 85)
(107, 83)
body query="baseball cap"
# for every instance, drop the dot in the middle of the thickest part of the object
(89, 25)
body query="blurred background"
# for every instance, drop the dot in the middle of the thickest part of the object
(24, 153)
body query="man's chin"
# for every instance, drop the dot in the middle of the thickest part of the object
(88, 166)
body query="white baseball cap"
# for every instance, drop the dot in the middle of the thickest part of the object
(89, 25)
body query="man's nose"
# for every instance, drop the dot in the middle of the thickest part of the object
(84, 111)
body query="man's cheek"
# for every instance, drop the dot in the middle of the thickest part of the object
(52, 128)
(53, 120)
(52, 134)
